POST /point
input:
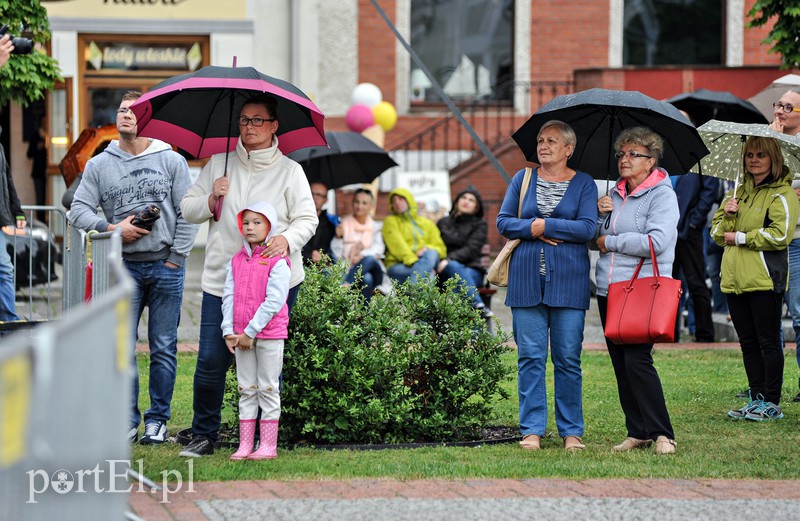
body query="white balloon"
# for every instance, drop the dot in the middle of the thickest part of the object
(367, 94)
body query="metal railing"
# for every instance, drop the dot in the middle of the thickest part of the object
(443, 144)
(64, 409)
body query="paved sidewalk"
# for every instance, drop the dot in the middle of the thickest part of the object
(507, 499)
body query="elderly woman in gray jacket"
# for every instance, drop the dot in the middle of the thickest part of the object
(642, 203)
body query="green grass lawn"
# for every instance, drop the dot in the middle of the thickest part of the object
(699, 386)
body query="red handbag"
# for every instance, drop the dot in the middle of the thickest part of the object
(643, 311)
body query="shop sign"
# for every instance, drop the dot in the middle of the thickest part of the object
(116, 56)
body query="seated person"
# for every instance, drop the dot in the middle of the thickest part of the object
(464, 233)
(360, 243)
(326, 229)
(413, 243)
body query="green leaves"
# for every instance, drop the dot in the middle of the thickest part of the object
(785, 34)
(419, 365)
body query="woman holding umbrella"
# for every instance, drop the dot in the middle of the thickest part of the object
(257, 170)
(754, 224)
(548, 282)
(642, 203)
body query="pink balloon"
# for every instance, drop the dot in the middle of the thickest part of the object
(359, 117)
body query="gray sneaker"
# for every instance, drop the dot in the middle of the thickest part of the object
(767, 411)
(155, 432)
(739, 414)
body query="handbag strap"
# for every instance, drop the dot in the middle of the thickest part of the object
(526, 181)
(656, 273)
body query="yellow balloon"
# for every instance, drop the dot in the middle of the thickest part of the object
(385, 115)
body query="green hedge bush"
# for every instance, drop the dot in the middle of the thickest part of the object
(418, 365)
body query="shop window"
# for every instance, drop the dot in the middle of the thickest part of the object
(468, 47)
(58, 121)
(666, 32)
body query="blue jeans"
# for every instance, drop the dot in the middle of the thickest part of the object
(160, 289)
(371, 275)
(7, 294)
(793, 292)
(419, 270)
(213, 361)
(565, 327)
(471, 278)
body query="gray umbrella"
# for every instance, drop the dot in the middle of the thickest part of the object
(725, 141)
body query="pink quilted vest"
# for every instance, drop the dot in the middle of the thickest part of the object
(250, 277)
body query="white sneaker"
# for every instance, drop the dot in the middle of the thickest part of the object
(385, 288)
(155, 432)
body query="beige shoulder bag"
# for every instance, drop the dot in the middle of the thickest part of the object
(498, 271)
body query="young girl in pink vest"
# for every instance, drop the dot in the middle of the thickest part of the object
(255, 324)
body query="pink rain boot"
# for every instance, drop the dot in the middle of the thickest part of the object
(268, 447)
(247, 432)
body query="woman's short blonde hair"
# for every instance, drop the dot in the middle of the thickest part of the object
(567, 134)
(644, 137)
(769, 146)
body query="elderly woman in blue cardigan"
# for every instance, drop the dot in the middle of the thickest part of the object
(548, 283)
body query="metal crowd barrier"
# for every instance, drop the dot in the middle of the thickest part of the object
(37, 258)
(64, 407)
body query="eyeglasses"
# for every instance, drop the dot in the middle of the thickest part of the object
(256, 122)
(631, 155)
(759, 155)
(319, 194)
(787, 108)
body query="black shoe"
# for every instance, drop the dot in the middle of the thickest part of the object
(197, 448)
(796, 398)
(744, 394)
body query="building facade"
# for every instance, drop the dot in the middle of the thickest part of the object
(506, 56)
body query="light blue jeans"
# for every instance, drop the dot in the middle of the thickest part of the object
(160, 289)
(7, 294)
(419, 270)
(564, 326)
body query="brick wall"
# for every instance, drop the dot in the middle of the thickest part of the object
(756, 53)
(376, 47)
(567, 35)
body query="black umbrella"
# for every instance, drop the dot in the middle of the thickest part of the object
(599, 115)
(351, 158)
(704, 105)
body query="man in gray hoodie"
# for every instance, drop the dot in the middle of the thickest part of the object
(130, 175)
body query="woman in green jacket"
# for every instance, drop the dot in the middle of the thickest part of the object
(414, 245)
(755, 225)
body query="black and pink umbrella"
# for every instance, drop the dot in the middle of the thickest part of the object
(197, 111)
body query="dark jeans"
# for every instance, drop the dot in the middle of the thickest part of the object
(690, 261)
(213, 361)
(757, 317)
(640, 393)
(371, 275)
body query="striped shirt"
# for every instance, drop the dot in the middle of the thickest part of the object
(548, 195)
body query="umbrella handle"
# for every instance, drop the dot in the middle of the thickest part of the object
(217, 212)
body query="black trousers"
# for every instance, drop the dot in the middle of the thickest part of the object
(757, 318)
(690, 261)
(640, 393)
